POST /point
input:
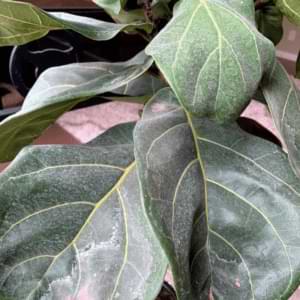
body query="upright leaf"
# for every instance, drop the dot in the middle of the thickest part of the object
(54, 93)
(283, 99)
(230, 222)
(291, 9)
(172, 182)
(22, 23)
(213, 56)
(72, 224)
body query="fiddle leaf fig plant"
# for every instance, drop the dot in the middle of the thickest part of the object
(183, 189)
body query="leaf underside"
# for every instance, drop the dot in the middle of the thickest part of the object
(241, 190)
(55, 93)
(75, 228)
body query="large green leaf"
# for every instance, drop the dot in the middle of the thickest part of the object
(283, 99)
(173, 186)
(59, 89)
(253, 213)
(213, 56)
(291, 9)
(72, 224)
(22, 23)
(224, 204)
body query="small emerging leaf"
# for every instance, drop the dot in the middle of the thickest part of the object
(114, 6)
(23, 22)
(75, 228)
(59, 89)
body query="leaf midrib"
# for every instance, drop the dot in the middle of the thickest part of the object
(31, 24)
(207, 180)
(67, 166)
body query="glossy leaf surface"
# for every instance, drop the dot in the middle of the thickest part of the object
(291, 9)
(283, 99)
(59, 89)
(213, 56)
(22, 23)
(245, 197)
(72, 224)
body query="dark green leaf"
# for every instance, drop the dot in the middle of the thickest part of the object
(160, 9)
(253, 213)
(259, 96)
(291, 9)
(269, 22)
(283, 99)
(59, 89)
(213, 56)
(72, 224)
(22, 23)
(173, 187)
(298, 66)
(224, 204)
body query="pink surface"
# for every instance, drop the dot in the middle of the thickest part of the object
(85, 124)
